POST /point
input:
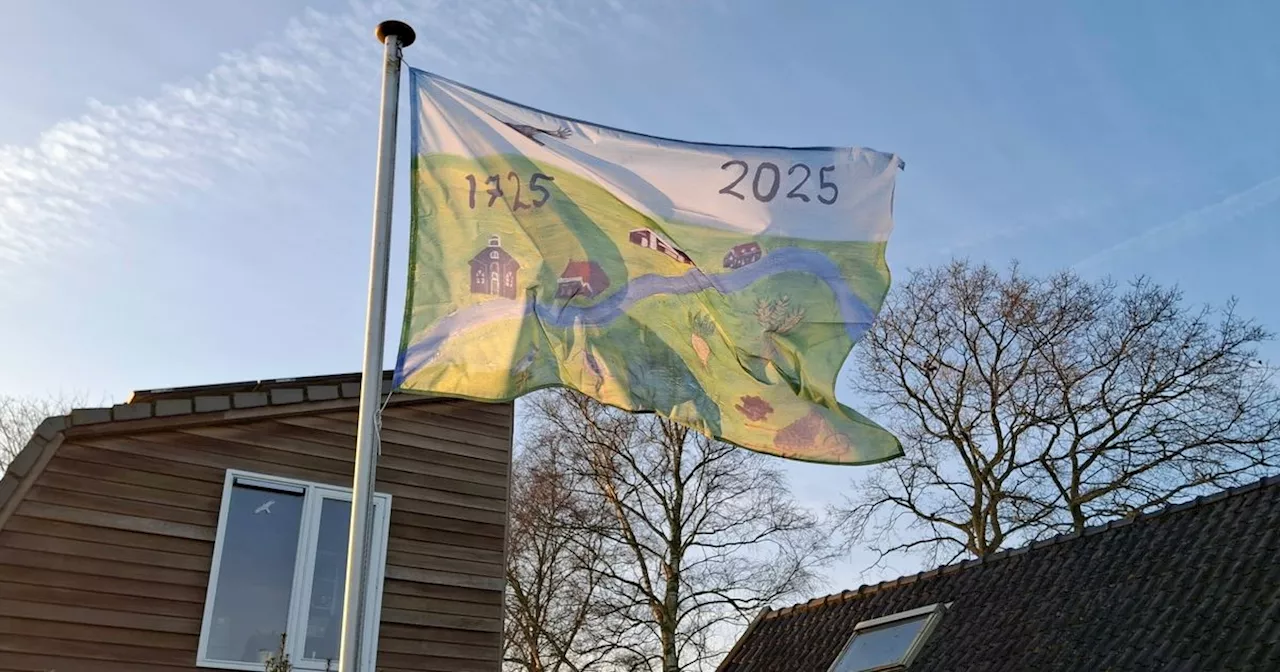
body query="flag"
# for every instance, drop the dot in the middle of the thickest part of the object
(720, 286)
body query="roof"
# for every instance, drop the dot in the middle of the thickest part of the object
(212, 401)
(1192, 587)
(346, 384)
(588, 270)
(482, 257)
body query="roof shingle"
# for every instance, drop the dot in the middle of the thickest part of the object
(1195, 586)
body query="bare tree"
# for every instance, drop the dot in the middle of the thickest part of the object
(554, 568)
(19, 417)
(700, 534)
(1030, 406)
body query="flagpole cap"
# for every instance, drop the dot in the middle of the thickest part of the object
(400, 29)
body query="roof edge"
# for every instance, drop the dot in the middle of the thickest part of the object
(21, 476)
(737, 644)
(180, 403)
(266, 384)
(867, 589)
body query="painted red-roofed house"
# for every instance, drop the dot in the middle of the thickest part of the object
(494, 271)
(581, 278)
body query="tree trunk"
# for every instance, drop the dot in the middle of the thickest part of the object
(1078, 520)
(670, 662)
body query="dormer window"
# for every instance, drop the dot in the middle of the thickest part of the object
(890, 642)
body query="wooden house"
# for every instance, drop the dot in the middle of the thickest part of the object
(581, 278)
(494, 271)
(190, 528)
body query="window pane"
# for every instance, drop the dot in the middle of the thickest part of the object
(324, 615)
(255, 575)
(884, 645)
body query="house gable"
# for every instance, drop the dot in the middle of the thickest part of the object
(491, 254)
(109, 518)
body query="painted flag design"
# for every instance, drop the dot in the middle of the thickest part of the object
(720, 286)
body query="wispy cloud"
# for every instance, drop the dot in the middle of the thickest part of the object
(1217, 215)
(253, 111)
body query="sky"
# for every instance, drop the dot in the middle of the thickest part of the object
(186, 188)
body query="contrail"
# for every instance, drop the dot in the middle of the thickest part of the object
(1217, 214)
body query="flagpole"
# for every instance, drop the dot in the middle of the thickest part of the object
(394, 35)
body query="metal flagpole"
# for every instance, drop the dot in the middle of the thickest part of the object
(394, 35)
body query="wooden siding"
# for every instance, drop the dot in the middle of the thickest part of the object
(104, 564)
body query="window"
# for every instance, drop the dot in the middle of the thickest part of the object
(888, 643)
(279, 566)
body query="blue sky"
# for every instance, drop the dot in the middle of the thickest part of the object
(185, 188)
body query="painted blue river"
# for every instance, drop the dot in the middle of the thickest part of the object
(855, 314)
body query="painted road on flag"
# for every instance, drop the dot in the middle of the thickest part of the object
(720, 286)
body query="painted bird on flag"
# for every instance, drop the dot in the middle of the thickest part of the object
(530, 131)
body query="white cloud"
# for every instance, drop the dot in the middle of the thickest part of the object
(255, 110)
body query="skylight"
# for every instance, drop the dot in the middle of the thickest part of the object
(888, 643)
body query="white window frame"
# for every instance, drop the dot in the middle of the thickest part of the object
(314, 495)
(934, 614)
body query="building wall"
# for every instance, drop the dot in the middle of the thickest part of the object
(105, 561)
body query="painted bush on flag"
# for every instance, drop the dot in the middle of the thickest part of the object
(720, 286)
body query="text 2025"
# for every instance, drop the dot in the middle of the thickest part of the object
(767, 182)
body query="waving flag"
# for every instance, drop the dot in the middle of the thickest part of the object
(720, 286)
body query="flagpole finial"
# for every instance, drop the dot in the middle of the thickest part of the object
(400, 29)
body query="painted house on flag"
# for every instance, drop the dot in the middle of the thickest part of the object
(581, 278)
(494, 271)
(648, 238)
(742, 255)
